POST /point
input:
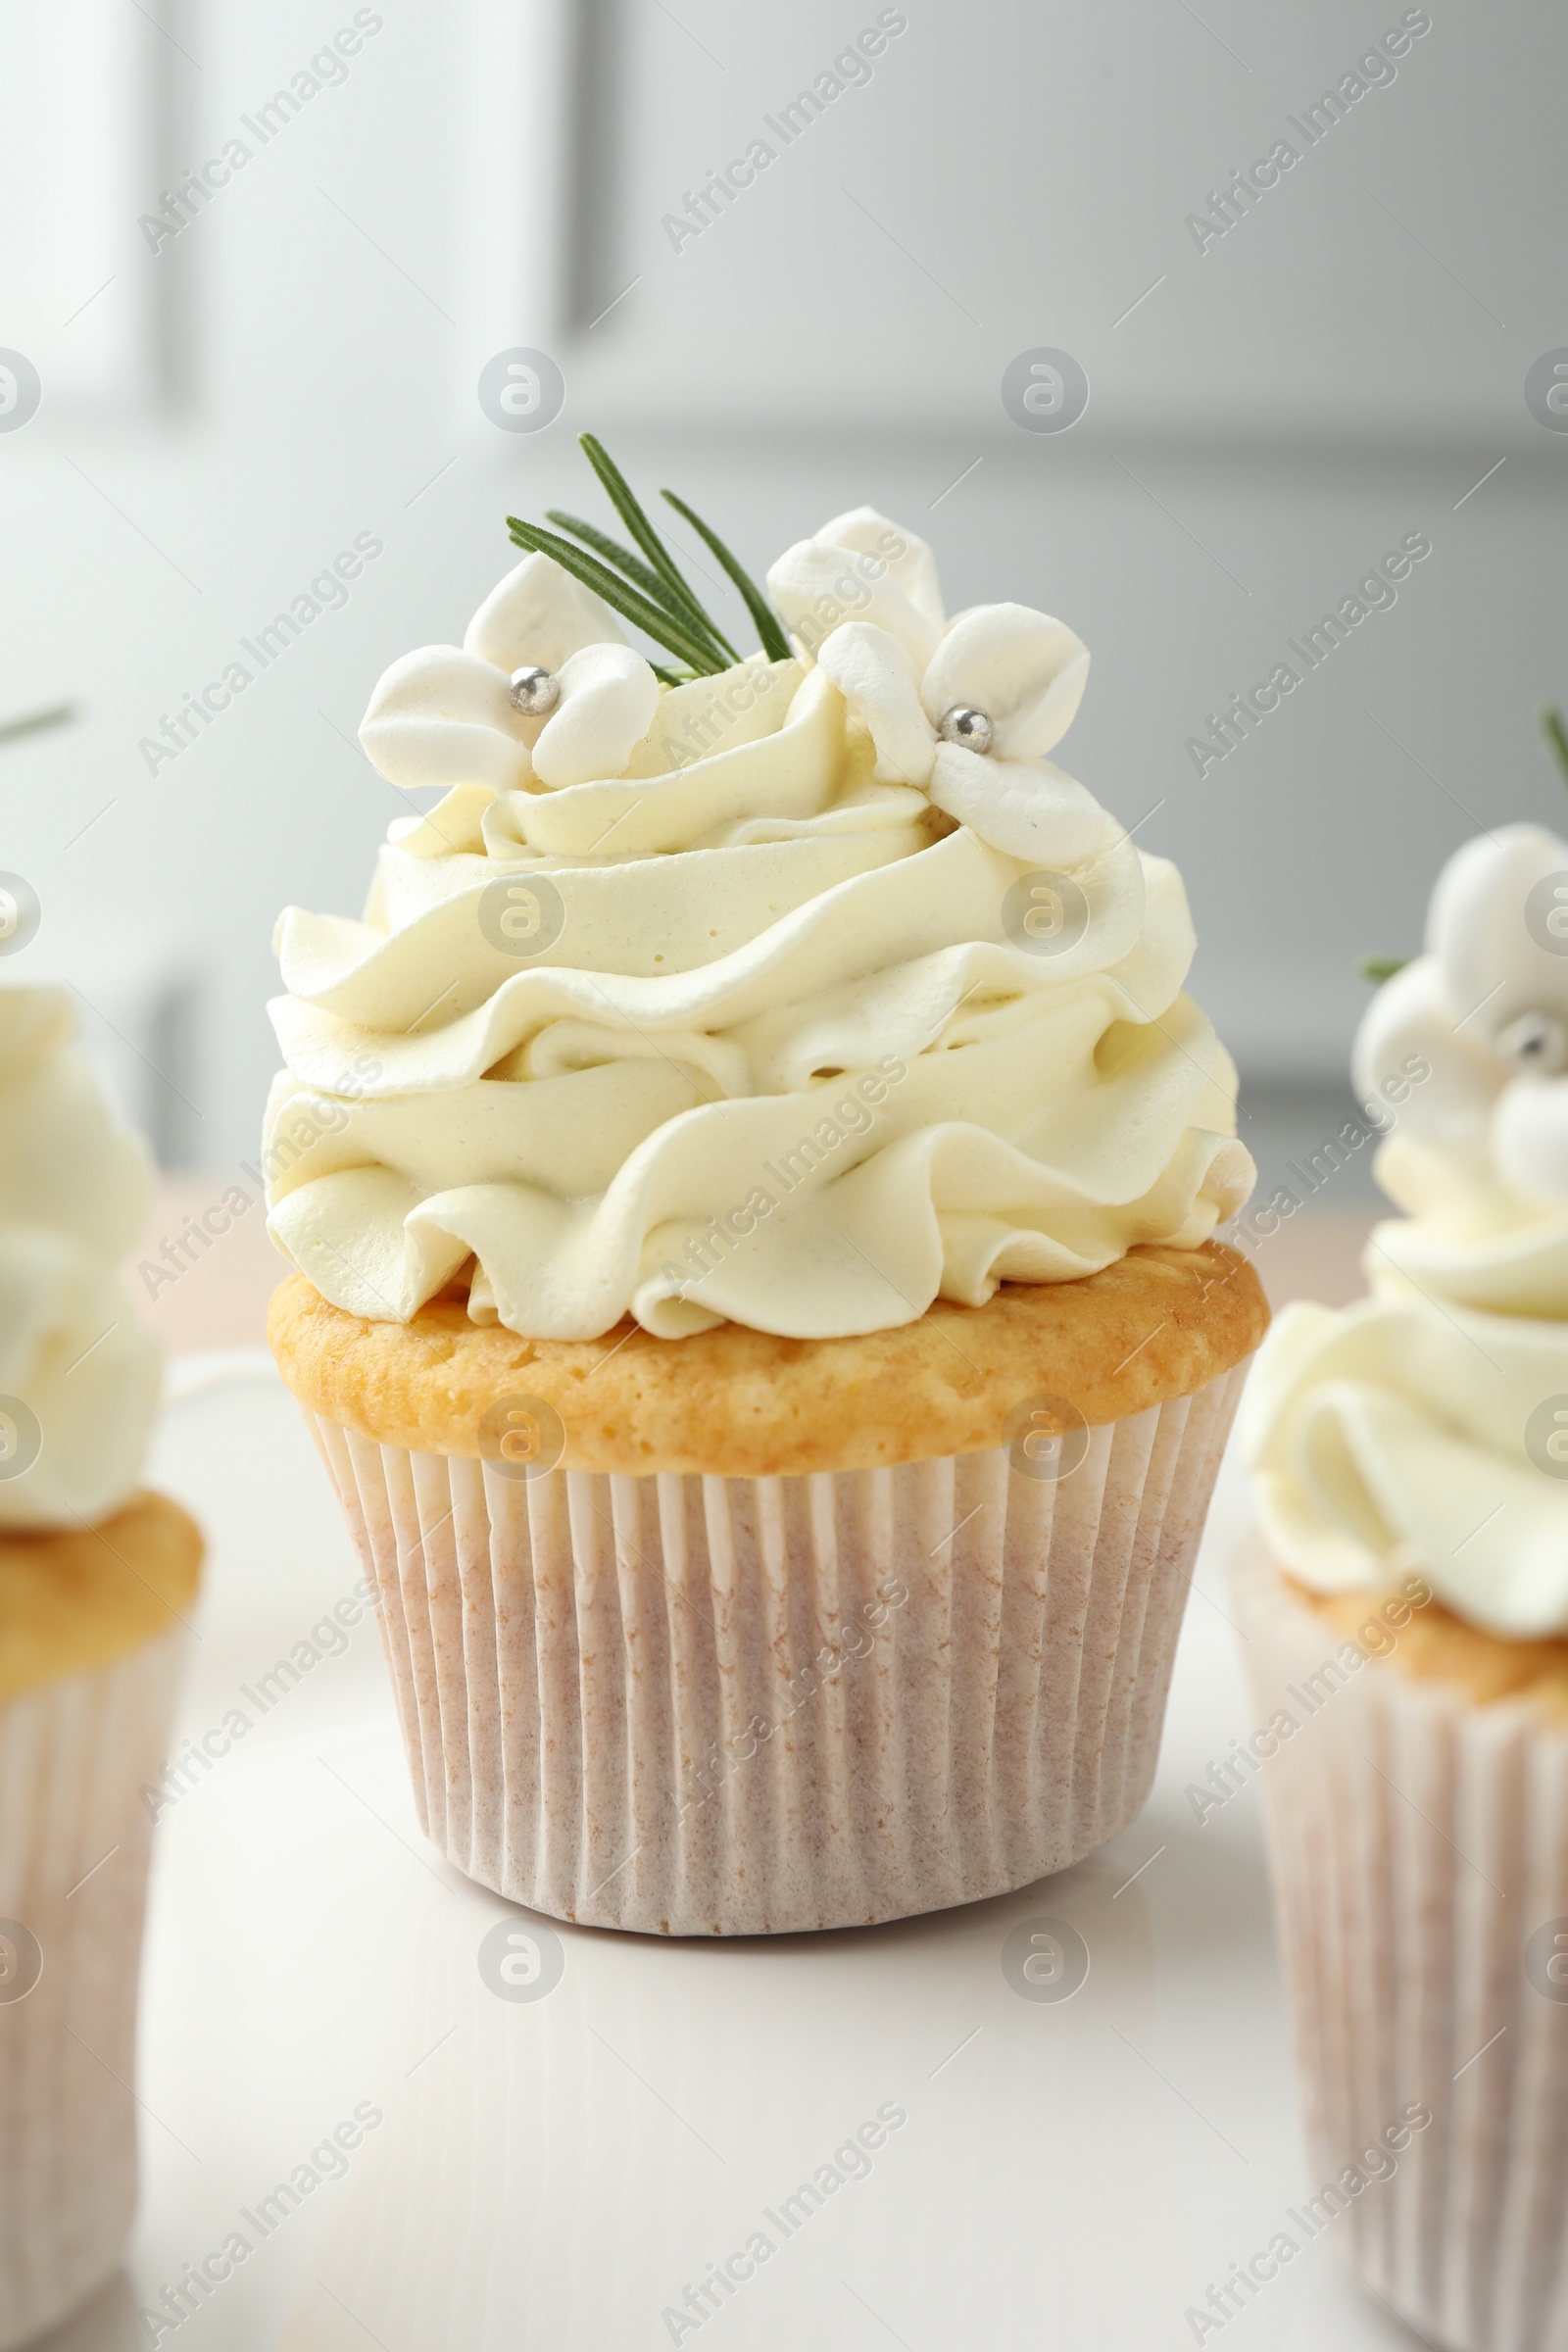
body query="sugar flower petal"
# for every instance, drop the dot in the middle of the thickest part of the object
(539, 615)
(1410, 1023)
(608, 699)
(881, 688)
(818, 584)
(1025, 670)
(1497, 962)
(441, 717)
(911, 566)
(1530, 1138)
(1026, 808)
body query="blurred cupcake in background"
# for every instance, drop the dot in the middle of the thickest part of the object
(96, 1582)
(1406, 1608)
(750, 1178)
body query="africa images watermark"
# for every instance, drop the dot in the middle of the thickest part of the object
(850, 69)
(713, 707)
(1378, 2161)
(1377, 1639)
(855, 1114)
(701, 1781)
(851, 2161)
(851, 592)
(327, 1638)
(326, 70)
(1335, 1153)
(1246, 712)
(327, 593)
(312, 1119)
(1374, 69)
(197, 2282)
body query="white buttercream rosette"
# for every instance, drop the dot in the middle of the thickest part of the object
(785, 1052)
(1427, 1427)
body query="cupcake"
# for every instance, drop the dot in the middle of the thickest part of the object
(96, 1580)
(1406, 1606)
(750, 1178)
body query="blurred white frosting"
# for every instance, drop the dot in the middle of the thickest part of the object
(1427, 1427)
(79, 1373)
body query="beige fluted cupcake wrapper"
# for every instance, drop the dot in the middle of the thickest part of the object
(1420, 1854)
(734, 1706)
(73, 1852)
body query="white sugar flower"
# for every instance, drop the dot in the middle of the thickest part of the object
(965, 708)
(452, 714)
(1485, 1008)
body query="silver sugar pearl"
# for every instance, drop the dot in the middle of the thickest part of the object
(971, 728)
(1534, 1042)
(533, 691)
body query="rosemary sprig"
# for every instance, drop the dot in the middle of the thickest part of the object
(1382, 967)
(679, 596)
(775, 645)
(654, 594)
(655, 622)
(12, 730)
(1556, 735)
(610, 550)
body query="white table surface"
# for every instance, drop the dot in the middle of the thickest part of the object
(555, 2173)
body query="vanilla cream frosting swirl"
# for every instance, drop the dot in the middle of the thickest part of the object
(706, 1009)
(78, 1374)
(1427, 1427)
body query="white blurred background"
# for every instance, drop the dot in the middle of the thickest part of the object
(297, 366)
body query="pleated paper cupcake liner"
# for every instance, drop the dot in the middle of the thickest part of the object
(744, 1706)
(74, 1836)
(1419, 1845)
